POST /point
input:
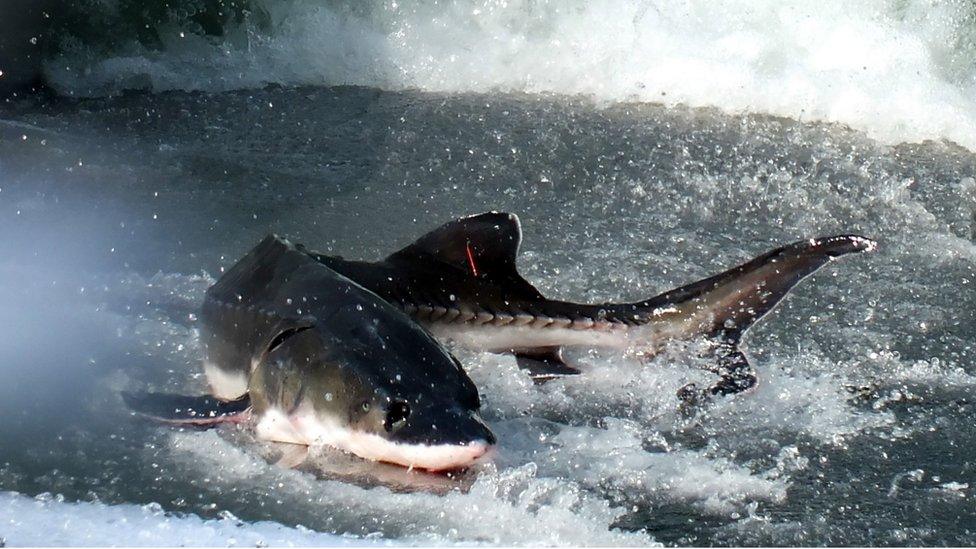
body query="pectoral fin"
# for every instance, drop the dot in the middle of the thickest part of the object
(544, 363)
(199, 411)
(293, 456)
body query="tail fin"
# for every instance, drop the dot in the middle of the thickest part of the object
(200, 411)
(724, 306)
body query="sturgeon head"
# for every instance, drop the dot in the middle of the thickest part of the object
(339, 366)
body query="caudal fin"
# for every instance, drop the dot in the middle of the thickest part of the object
(723, 307)
(199, 411)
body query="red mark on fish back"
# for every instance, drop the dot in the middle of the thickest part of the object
(474, 269)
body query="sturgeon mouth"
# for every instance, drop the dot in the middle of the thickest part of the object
(433, 458)
(436, 457)
(428, 457)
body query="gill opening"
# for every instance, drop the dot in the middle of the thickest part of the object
(284, 335)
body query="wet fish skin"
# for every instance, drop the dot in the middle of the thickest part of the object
(467, 268)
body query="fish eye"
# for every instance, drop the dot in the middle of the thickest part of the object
(366, 406)
(396, 415)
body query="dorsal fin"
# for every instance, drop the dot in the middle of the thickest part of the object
(482, 246)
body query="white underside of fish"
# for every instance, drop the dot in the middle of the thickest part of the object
(224, 384)
(646, 339)
(304, 426)
(506, 338)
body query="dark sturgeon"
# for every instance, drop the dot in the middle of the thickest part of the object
(461, 282)
(309, 357)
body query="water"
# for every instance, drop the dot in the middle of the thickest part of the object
(895, 68)
(119, 210)
(47, 520)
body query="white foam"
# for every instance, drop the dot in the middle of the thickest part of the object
(631, 443)
(900, 71)
(50, 521)
(800, 394)
(615, 457)
(517, 500)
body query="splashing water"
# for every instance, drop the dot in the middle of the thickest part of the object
(119, 212)
(898, 70)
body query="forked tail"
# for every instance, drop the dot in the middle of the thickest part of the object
(723, 307)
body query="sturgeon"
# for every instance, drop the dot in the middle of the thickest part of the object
(308, 357)
(461, 282)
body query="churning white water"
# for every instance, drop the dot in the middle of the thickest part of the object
(899, 70)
